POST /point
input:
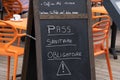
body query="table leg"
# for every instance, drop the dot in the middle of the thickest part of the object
(113, 40)
(1, 15)
(19, 38)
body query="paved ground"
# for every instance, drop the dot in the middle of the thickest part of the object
(101, 67)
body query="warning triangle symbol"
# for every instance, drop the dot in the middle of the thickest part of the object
(63, 70)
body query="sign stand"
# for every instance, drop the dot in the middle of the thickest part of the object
(63, 49)
(29, 71)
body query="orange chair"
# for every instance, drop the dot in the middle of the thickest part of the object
(95, 2)
(12, 7)
(98, 10)
(8, 35)
(100, 38)
(100, 17)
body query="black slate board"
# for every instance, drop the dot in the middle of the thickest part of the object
(65, 41)
(62, 6)
(65, 50)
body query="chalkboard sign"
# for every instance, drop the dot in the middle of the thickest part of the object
(62, 7)
(113, 8)
(64, 48)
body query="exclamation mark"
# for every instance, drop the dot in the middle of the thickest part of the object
(63, 68)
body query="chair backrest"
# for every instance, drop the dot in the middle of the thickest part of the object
(100, 35)
(12, 7)
(95, 2)
(8, 33)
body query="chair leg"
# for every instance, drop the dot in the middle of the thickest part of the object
(109, 66)
(19, 31)
(15, 67)
(8, 68)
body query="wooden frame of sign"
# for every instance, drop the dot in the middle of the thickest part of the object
(64, 48)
